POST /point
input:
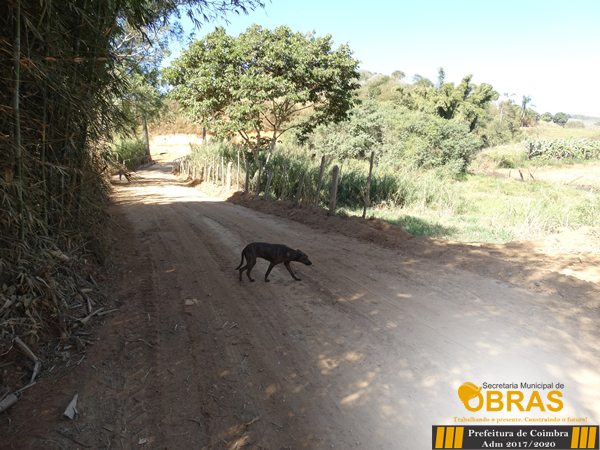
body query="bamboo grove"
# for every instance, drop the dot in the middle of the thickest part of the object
(59, 81)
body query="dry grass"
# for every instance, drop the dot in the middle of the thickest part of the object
(173, 122)
(546, 130)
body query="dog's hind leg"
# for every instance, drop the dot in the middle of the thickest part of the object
(241, 269)
(287, 266)
(250, 264)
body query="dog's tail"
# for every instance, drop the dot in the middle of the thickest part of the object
(241, 262)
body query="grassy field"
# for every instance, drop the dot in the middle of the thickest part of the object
(548, 130)
(496, 210)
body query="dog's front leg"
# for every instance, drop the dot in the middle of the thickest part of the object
(287, 266)
(269, 271)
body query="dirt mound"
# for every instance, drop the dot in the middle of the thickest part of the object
(372, 230)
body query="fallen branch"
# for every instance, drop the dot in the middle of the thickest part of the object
(247, 424)
(107, 312)
(23, 347)
(87, 318)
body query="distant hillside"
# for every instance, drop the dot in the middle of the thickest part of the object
(582, 117)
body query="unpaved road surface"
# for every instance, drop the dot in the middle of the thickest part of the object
(367, 351)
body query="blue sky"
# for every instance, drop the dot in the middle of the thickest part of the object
(547, 49)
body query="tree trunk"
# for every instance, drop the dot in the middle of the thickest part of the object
(271, 146)
(146, 138)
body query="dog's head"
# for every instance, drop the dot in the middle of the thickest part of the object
(300, 256)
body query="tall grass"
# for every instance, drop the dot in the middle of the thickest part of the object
(389, 186)
(473, 208)
(497, 211)
(129, 151)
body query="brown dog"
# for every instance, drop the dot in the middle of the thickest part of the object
(274, 253)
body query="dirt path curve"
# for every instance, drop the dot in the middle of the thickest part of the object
(367, 351)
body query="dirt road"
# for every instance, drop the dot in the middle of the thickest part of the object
(367, 351)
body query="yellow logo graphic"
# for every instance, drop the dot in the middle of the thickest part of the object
(468, 391)
(584, 437)
(453, 436)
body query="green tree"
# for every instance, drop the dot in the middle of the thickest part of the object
(466, 103)
(140, 53)
(560, 118)
(546, 117)
(419, 80)
(398, 75)
(374, 87)
(524, 102)
(264, 81)
(441, 77)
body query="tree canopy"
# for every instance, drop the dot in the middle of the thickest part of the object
(264, 81)
(466, 103)
(560, 118)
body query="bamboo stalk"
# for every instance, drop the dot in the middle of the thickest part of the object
(17, 118)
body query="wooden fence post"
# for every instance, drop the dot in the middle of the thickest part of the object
(299, 190)
(238, 171)
(268, 187)
(368, 186)
(333, 192)
(247, 176)
(320, 180)
(282, 196)
(258, 178)
(229, 175)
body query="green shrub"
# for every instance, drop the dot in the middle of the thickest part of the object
(400, 138)
(426, 141)
(129, 151)
(575, 124)
(503, 156)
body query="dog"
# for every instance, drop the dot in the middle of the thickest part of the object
(275, 254)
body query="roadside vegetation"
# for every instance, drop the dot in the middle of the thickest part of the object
(74, 78)
(437, 148)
